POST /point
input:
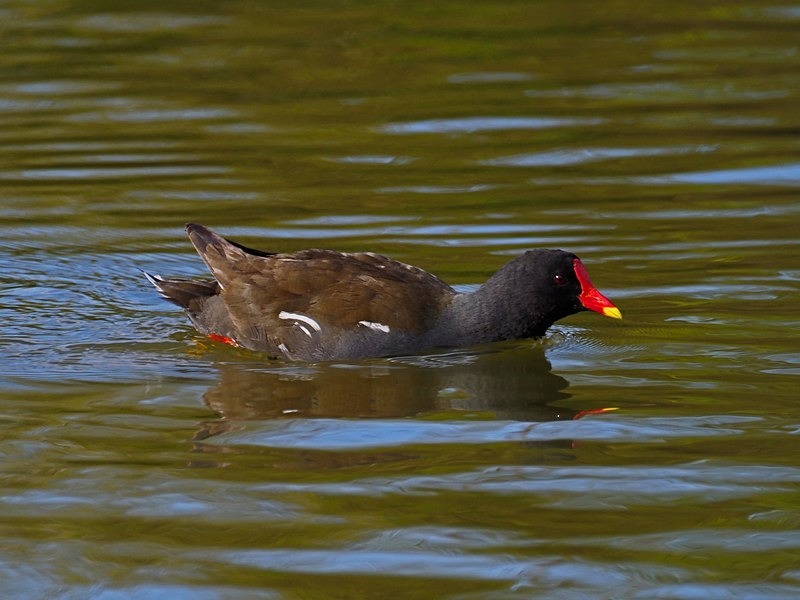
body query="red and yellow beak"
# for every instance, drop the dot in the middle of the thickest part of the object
(590, 297)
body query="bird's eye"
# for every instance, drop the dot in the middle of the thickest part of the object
(559, 280)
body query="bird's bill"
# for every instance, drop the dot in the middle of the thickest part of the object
(590, 297)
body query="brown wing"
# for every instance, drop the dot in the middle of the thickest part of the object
(343, 289)
(334, 289)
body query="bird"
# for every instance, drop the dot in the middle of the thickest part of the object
(322, 305)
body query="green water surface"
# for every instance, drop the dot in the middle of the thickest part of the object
(660, 141)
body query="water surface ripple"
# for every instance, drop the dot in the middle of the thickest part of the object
(654, 457)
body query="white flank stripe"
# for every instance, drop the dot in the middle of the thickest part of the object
(375, 326)
(298, 317)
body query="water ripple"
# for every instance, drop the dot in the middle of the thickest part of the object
(490, 77)
(532, 573)
(573, 156)
(335, 434)
(772, 175)
(579, 488)
(481, 124)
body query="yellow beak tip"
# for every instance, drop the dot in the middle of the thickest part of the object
(613, 312)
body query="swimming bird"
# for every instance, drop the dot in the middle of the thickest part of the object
(317, 305)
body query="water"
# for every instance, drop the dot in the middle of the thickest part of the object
(649, 458)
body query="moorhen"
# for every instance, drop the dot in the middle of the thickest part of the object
(326, 305)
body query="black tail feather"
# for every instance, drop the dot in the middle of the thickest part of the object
(183, 292)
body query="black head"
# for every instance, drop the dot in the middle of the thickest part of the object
(540, 287)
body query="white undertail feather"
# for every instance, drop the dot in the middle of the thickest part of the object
(156, 280)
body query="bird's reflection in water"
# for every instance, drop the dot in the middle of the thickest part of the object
(508, 382)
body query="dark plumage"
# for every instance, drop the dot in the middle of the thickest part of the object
(324, 305)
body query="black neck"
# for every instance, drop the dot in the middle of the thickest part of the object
(497, 311)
